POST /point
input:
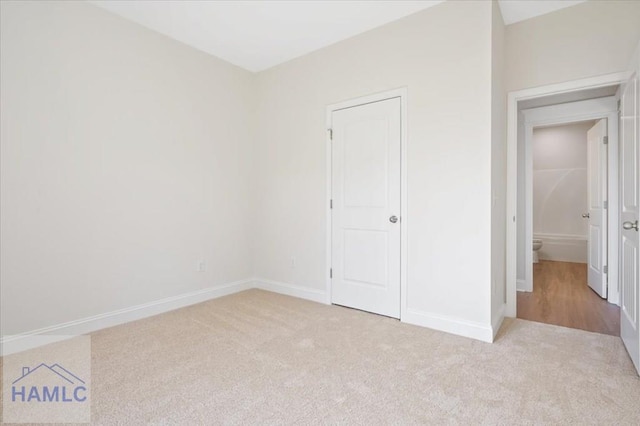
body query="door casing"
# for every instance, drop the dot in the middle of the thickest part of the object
(404, 220)
(512, 163)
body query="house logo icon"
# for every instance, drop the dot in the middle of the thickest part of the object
(48, 383)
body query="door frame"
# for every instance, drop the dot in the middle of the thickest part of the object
(512, 163)
(574, 112)
(363, 100)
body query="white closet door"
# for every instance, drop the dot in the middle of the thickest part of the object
(366, 207)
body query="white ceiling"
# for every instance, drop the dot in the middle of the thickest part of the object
(257, 35)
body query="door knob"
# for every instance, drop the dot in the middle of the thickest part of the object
(393, 219)
(630, 225)
(585, 215)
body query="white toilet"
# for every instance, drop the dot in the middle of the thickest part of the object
(537, 245)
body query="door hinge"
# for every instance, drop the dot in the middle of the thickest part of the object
(606, 269)
(330, 272)
(618, 104)
(330, 204)
(605, 140)
(330, 134)
(606, 204)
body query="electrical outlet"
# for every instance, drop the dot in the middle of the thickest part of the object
(201, 266)
(293, 263)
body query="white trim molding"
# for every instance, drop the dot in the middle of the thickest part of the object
(291, 290)
(512, 162)
(563, 248)
(16, 343)
(20, 342)
(457, 326)
(10, 344)
(521, 285)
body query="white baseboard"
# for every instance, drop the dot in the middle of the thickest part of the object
(521, 285)
(291, 290)
(563, 248)
(473, 330)
(17, 343)
(497, 320)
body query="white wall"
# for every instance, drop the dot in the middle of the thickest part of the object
(586, 40)
(498, 167)
(443, 57)
(125, 163)
(560, 179)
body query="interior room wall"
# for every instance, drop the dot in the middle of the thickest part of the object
(443, 57)
(129, 160)
(125, 164)
(589, 39)
(560, 190)
(498, 166)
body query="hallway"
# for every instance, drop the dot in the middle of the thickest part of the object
(562, 297)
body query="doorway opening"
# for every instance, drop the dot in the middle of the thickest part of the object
(585, 101)
(568, 190)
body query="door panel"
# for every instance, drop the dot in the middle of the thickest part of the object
(365, 255)
(629, 212)
(596, 195)
(629, 305)
(365, 163)
(365, 186)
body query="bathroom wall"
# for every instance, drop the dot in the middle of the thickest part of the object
(560, 191)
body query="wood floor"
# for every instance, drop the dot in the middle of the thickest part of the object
(561, 296)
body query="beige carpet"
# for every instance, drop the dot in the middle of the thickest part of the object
(262, 358)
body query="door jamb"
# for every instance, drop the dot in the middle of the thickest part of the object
(512, 162)
(377, 97)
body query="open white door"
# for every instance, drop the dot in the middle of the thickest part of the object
(597, 196)
(365, 215)
(629, 212)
